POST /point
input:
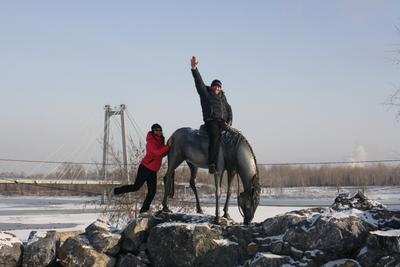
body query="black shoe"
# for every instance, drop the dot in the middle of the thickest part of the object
(211, 168)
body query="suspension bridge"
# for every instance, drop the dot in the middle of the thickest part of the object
(116, 167)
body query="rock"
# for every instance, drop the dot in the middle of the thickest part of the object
(62, 236)
(11, 249)
(388, 241)
(342, 263)
(338, 237)
(262, 259)
(315, 255)
(296, 253)
(77, 252)
(388, 261)
(185, 244)
(243, 235)
(129, 260)
(103, 237)
(369, 257)
(136, 233)
(252, 249)
(40, 249)
(279, 224)
(355, 200)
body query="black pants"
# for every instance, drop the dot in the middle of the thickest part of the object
(214, 129)
(143, 175)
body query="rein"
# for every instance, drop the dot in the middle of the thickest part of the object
(237, 196)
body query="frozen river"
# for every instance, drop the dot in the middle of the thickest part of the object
(22, 214)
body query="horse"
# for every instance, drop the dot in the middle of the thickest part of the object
(235, 156)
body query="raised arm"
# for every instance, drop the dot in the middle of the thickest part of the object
(200, 86)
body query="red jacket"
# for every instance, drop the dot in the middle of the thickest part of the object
(155, 151)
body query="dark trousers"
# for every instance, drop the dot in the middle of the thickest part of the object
(214, 129)
(143, 175)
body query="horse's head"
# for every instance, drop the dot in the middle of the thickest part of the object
(248, 201)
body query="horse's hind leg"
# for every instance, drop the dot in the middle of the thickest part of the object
(193, 173)
(231, 175)
(173, 163)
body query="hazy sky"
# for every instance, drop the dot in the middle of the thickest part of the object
(306, 79)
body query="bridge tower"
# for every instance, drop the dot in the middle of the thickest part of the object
(108, 113)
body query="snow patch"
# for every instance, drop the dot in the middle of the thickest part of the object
(8, 239)
(189, 226)
(362, 251)
(36, 237)
(395, 233)
(268, 255)
(273, 238)
(225, 242)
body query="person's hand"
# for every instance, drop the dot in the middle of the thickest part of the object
(194, 62)
(169, 142)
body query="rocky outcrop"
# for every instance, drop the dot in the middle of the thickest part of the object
(354, 231)
(11, 249)
(103, 237)
(40, 249)
(77, 251)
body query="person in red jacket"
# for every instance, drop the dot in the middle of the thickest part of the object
(149, 166)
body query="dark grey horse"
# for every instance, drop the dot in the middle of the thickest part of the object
(235, 156)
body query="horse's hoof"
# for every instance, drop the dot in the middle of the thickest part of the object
(200, 211)
(166, 209)
(217, 220)
(226, 216)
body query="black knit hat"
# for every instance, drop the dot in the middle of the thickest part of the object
(216, 82)
(155, 126)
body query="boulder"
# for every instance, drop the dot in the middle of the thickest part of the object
(136, 233)
(388, 241)
(342, 263)
(185, 244)
(77, 252)
(40, 249)
(11, 249)
(356, 200)
(103, 237)
(129, 260)
(338, 237)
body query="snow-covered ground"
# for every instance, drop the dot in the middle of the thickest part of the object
(22, 214)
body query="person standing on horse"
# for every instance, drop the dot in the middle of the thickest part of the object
(217, 113)
(149, 166)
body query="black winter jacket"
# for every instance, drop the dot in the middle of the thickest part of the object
(215, 107)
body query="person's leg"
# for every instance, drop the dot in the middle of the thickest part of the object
(139, 181)
(214, 135)
(151, 191)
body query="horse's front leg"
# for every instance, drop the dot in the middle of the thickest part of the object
(217, 178)
(228, 194)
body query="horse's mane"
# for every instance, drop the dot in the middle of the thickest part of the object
(231, 139)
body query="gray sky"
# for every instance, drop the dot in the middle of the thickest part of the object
(306, 80)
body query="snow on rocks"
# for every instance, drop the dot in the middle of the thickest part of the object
(352, 232)
(11, 249)
(40, 249)
(103, 237)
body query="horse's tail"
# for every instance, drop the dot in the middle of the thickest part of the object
(169, 184)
